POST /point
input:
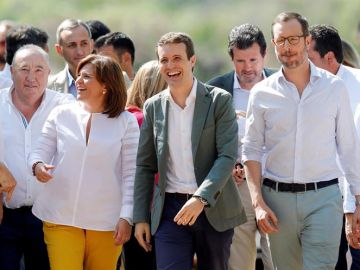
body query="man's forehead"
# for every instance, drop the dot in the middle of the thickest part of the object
(291, 26)
(76, 34)
(28, 58)
(172, 48)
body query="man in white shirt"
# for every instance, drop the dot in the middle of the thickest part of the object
(247, 49)
(188, 136)
(74, 43)
(326, 52)
(299, 117)
(24, 108)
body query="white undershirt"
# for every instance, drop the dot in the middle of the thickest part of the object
(180, 166)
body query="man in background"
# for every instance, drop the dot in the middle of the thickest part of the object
(247, 50)
(326, 52)
(74, 43)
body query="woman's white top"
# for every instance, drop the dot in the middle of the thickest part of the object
(93, 184)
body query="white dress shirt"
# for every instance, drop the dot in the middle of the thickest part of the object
(301, 136)
(92, 185)
(19, 138)
(240, 96)
(180, 166)
(351, 78)
(5, 77)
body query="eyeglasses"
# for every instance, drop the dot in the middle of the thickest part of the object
(292, 40)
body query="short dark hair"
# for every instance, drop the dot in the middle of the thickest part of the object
(287, 16)
(120, 41)
(108, 72)
(327, 39)
(177, 37)
(244, 36)
(23, 35)
(97, 29)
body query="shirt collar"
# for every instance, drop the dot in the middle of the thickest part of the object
(340, 72)
(237, 85)
(69, 77)
(314, 73)
(9, 97)
(190, 98)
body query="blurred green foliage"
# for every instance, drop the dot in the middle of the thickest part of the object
(207, 21)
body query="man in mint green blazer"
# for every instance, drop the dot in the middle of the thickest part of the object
(189, 137)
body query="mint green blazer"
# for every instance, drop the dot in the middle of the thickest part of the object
(214, 147)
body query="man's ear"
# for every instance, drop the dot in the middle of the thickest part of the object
(126, 58)
(330, 57)
(58, 49)
(193, 60)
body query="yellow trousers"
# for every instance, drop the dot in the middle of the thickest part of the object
(73, 248)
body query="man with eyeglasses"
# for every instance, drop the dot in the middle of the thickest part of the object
(299, 118)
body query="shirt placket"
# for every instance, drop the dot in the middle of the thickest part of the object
(29, 187)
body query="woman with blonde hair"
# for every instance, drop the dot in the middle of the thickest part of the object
(351, 57)
(147, 82)
(87, 203)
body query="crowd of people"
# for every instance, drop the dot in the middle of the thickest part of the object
(103, 167)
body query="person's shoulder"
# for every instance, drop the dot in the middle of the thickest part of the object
(57, 78)
(155, 99)
(269, 71)
(353, 71)
(219, 80)
(326, 76)
(58, 98)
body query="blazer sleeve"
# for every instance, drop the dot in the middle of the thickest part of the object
(226, 146)
(146, 167)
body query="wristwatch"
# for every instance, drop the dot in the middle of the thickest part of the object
(202, 200)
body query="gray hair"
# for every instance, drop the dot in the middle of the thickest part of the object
(31, 48)
(69, 24)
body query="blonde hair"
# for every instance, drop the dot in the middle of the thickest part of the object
(147, 82)
(351, 57)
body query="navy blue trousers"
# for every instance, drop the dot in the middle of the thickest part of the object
(355, 253)
(21, 235)
(175, 245)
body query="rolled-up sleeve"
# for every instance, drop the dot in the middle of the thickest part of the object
(253, 141)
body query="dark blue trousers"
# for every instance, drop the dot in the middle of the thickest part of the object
(355, 254)
(175, 245)
(21, 235)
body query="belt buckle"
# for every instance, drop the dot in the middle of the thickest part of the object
(302, 192)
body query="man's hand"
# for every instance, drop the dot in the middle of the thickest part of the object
(143, 236)
(238, 174)
(355, 227)
(41, 172)
(189, 212)
(7, 182)
(122, 232)
(351, 237)
(266, 219)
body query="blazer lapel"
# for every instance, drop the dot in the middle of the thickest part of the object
(202, 104)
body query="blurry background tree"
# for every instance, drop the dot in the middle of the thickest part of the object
(207, 21)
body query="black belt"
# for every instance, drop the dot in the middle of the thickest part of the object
(296, 187)
(18, 210)
(180, 196)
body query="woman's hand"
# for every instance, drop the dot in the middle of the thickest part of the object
(41, 172)
(122, 232)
